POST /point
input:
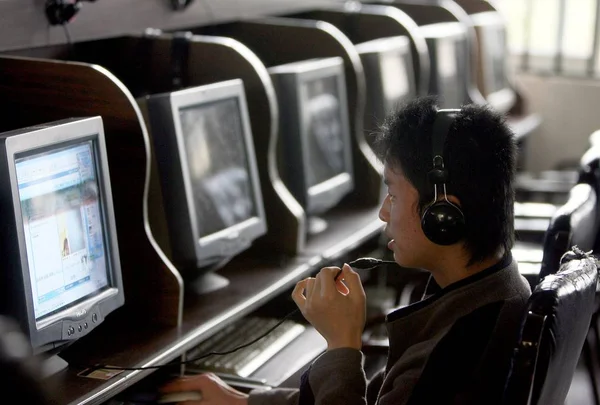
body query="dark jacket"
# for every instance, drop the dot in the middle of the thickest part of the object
(452, 347)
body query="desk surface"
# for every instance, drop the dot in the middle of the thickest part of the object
(253, 283)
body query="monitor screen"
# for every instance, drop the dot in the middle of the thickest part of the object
(63, 226)
(326, 156)
(217, 165)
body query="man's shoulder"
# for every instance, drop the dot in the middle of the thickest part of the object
(470, 363)
(457, 355)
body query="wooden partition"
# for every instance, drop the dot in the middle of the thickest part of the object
(366, 22)
(282, 40)
(34, 91)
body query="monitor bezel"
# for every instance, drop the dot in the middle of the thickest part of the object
(320, 197)
(42, 138)
(230, 241)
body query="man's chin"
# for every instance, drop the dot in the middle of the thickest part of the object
(398, 259)
(401, 260)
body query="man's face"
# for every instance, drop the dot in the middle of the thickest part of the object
(403, 222)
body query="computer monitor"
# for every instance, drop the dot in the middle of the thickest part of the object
(61, 273)
(209, 177)
(447, 43)
(315, 157)
(390, 77)
(492, 64)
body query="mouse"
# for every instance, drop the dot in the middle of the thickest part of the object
(180, 396)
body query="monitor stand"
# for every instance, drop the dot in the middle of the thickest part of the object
(52, 365)
(208, 282)
(316, 225)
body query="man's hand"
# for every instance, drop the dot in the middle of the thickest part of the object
(336, 309)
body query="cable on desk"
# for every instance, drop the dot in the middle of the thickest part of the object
(365, 263)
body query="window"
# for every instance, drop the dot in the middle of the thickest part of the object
(534, 28)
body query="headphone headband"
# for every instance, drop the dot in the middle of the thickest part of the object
(443, 121)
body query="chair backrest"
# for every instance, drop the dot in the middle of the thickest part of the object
(589, 172)
(574, 223)
(553, 332)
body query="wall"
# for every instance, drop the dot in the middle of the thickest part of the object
(567, 105)
(23, 23)
(570, 112)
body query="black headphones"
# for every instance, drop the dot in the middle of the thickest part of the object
(61, 12)
(443, 222)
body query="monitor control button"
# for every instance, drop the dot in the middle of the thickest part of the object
(94, 317)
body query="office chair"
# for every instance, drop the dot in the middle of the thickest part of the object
(590, 172)
(554, 328)
(575, 223)
(578, 223)
(589, 167)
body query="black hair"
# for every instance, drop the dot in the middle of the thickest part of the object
(480, 158)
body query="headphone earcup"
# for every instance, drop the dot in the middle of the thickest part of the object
(443, 223)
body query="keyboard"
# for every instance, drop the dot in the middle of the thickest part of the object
(245, 361)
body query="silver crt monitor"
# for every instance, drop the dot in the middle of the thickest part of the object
(314, 138)
(447, 44)
(208, 172)
(390, 77)
(61, 272)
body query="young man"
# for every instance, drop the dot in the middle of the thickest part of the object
(454, 346)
